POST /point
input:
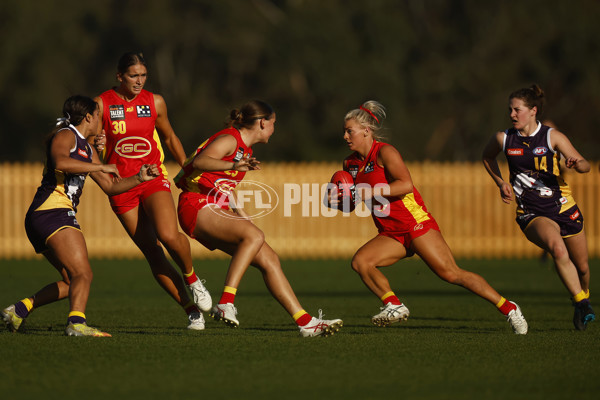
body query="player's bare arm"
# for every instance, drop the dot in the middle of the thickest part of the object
(166, 132)
(573, 159)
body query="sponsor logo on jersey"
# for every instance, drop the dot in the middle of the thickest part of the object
(540, 151)
(418, 227)
(239, 154)
(563, 200)
(82, 153)
(370, 167)
(514, 152)
(129, 109)
(353, 170)
(575, 215)
(117, 112)
(133, 147)
(143, 111)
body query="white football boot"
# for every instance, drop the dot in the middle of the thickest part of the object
(389, 314)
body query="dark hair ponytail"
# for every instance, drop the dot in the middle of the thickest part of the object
(532, 96)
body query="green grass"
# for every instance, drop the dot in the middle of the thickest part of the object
(454, 345)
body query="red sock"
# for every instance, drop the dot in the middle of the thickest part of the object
(505, 306)
(302, 318)
(228, 295)
(390, 297)
(190, 278)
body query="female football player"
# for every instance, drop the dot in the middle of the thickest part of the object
(50, 222)
(404, 224)
(134, 121)
(546, 211)
(207, 214)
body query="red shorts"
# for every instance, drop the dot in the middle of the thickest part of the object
(406, 237)
(187, 211)
(121, 203)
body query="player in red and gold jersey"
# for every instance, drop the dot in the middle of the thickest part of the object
(135, 121)
(405, 226)
(206, 214)
(546, 211)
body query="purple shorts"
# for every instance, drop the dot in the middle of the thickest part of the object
(569, 221)
(41, 225)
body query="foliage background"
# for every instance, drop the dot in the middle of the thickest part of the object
(443, 68)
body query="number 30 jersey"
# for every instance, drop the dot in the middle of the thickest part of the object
(131, 137)
(535, 173)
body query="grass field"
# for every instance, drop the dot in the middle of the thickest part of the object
(454, 345)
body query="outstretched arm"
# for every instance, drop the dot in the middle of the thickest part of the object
(112, 185)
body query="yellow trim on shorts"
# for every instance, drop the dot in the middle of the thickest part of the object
(60, 229)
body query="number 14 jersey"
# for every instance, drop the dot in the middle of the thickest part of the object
(535, 173)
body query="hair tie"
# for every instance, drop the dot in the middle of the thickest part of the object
(64, 120)
(370, 113)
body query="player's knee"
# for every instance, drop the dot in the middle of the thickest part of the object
(254, 238)
(360, 265)
(83, 275)
(452, 274)
(171, 240)
(558, 250)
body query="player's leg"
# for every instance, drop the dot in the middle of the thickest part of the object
(160, 211)
(434, 251)
(545, 233)
(381, 251)
(267, 261)
(69, 252)
(15, 314)
(578, 253)
(141, 231)
(221, 229)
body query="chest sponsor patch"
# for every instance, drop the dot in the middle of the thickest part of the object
(540, 151)
(239, 154)
(143, 111)
(117, 112)
(514, 152)
(370, 167)
(353, 170)
(82, 153)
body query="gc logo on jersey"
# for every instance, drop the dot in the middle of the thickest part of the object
(143, 111)
(133, 147)
(117, 112)
(540, 151)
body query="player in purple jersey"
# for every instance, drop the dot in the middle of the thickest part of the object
(50, 223)
(546, 210)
